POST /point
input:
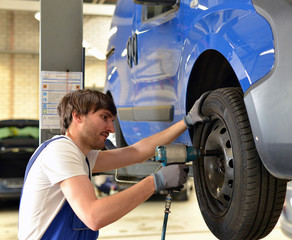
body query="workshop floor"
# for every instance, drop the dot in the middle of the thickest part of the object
(144, 223)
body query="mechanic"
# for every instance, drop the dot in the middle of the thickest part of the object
(58, 199)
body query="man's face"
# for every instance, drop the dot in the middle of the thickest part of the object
(96, 128)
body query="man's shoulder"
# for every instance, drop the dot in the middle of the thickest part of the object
(62, 140)
(63, 145)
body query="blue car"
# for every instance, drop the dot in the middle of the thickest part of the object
(164, 54)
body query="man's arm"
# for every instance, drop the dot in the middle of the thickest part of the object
(97, 213)
(145, 149)
(138, 152)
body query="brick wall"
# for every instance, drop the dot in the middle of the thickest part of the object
(18, 65)
(19, 62)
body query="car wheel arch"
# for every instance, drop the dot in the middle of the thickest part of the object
(203, 79)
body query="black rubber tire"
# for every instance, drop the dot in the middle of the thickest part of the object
(120, 140)
(238, 197)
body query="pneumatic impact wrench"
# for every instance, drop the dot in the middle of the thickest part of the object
(177, 154)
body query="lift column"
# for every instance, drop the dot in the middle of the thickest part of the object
(61, 58)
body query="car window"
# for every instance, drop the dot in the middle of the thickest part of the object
(153, 11)
(15, 132)
(156, 11)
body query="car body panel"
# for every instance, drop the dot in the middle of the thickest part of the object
(229, 27)
(168, 48)
(269, 100)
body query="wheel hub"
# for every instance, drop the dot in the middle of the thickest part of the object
(219, 171)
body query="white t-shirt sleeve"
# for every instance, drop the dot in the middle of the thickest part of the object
(61, 160)
(92, 156)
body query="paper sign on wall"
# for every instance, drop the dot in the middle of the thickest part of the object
(54, 85)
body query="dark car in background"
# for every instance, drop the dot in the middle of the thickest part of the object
(18, 141)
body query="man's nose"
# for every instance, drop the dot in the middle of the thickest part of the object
(111, 127)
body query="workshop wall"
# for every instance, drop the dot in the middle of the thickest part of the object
(19, 65)
(19, 61)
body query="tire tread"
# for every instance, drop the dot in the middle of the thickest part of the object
(264, 194)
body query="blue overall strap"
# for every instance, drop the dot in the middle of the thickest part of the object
(36, 154)
(89, 175)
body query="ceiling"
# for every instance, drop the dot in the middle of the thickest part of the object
(100, 1)
(103, 9)
(90, 7)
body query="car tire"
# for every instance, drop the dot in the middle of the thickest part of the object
(238, 197)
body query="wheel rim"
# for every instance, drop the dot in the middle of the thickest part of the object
(219, 170)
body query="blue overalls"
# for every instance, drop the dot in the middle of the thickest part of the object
(66, 225)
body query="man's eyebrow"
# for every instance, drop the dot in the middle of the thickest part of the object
(109, 114)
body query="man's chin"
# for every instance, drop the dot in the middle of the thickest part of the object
(99, 146)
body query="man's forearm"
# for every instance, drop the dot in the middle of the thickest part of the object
(138, 152)
(146, 147)
(112, 208)
(97, 213)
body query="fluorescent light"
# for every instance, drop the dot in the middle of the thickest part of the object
(93, 51)
(85, 44)
(37, 16)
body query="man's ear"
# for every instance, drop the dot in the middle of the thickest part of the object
(76, 116)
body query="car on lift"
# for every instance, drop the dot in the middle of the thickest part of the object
(18, 140)
(164, 54)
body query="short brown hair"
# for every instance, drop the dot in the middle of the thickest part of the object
(83, 101)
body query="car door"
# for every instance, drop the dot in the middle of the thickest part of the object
(156, 49)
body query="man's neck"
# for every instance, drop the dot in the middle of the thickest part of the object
(77, 142)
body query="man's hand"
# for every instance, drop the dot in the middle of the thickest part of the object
(195, 116)
(172, 177)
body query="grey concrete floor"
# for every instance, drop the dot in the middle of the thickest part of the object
(144, 223)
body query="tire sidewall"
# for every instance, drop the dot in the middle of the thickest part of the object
(215, 106)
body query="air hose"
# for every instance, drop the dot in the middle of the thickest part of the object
(166, 212)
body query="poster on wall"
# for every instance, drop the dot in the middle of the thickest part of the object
(54, 85)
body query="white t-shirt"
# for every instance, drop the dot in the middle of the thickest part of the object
(42, 197)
